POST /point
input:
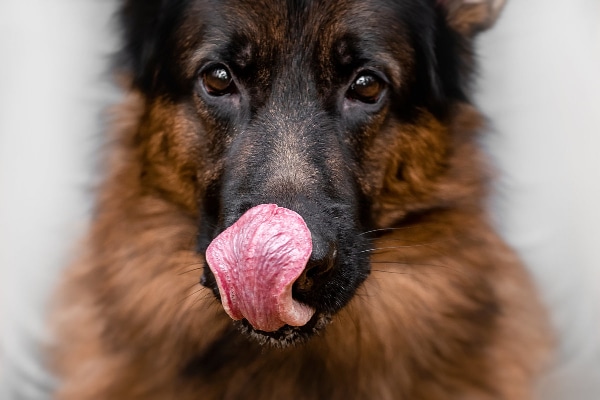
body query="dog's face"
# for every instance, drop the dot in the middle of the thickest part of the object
(336, 110)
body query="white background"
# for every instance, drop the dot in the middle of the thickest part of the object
(539, 83)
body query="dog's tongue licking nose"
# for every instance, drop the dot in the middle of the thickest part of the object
(256, 261)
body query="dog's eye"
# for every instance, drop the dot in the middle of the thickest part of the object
(218, 81)
(366, 88)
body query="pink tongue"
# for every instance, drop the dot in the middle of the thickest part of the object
(256, 261)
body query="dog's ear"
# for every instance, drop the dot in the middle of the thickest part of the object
(448, 57)
(469, 17)
(139, 22)
(146, 27)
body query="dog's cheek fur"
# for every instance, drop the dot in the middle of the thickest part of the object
(179, 154)
(139, 267)
(424, 164)
(454, 312)
(170, 157)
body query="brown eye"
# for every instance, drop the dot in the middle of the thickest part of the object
(366, 88)
(218, 81)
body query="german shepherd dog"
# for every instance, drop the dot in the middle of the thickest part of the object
(293, 208)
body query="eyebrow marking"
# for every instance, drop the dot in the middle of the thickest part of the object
(198, 56)
(392, 67)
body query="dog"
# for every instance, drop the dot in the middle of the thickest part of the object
(294, 208)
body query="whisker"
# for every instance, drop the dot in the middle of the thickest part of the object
(399, 247)
(408, 240)
(192, 286)
(390, 272)
(191, 294)
(400, 228)
(410, 264)
(206, 305)
(191, 270)
(201, 297)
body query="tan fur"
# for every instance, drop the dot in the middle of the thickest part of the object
(447, 313)
(472, 16)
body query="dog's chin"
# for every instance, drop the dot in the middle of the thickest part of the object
(287, 335)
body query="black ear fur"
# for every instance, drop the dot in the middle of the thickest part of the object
(454, 60)
(444, 62)
(451, 61)
(146, 29)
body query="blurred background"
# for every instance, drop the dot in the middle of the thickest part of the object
(539, 84)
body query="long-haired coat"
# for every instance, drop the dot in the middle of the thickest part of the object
(353, 117)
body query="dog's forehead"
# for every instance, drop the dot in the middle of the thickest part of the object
(294, 16)
(274, 28)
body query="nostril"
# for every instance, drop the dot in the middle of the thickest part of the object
(304, 283)
(316, 269)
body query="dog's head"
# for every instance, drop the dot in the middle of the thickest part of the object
(335, 111)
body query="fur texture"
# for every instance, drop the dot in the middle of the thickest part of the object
(423, 301)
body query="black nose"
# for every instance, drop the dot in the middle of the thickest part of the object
(318, 268)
